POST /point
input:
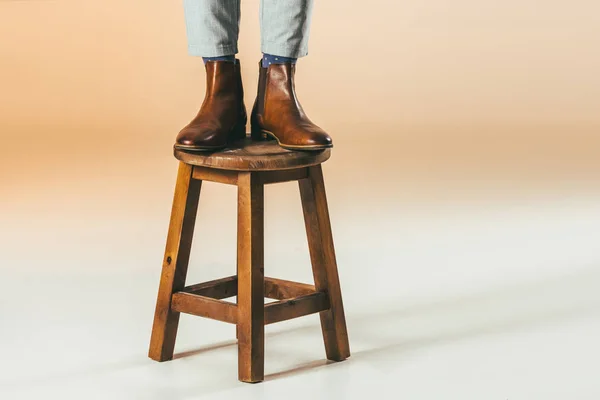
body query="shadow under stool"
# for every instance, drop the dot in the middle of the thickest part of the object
(250, 165)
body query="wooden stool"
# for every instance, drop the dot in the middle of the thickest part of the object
(250, 165)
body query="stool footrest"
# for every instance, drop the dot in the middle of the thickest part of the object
(204, 300)
(281, 289)
(296, 307)
(278, 289)
(217, 289)
(203, 306)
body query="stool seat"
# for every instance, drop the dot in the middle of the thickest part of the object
(251, 155)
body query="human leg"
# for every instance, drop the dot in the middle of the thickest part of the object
(212, 27)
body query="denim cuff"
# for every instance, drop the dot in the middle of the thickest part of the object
(212, 51)
(284, 50)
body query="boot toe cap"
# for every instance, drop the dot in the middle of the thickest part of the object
(200, 137)
(323, 140)
(313, 137)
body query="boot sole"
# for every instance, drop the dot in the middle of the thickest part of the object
(266, 135)
(198, 148)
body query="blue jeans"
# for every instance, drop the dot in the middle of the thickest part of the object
(213, 27)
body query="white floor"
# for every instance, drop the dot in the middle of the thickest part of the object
(479, 301)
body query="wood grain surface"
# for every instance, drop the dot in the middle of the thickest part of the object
(249, 155)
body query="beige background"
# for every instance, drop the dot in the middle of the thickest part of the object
(471, 104)
(505, 88)
(464, 190)
(475, 105)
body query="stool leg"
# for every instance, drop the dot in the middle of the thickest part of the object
(322, 255)
(237, 302)
(250, 255)
(175, 263)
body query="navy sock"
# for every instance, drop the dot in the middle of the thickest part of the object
(220, 58)
(269, 59)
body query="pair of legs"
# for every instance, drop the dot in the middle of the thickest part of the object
(213, 27)
(213, 31)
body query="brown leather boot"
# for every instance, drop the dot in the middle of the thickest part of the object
(277, 114)
(222, 117)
